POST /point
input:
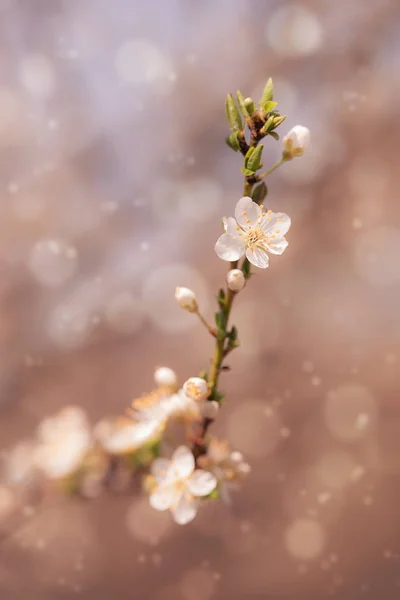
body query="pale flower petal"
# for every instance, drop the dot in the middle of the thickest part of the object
(247, 212)
(230, 226)
(258, 257)
(229, 247)
(201, 483)
(276, 224)
(185, 510)
(163, 497)
(278, 246)
(182, 463)
(159, 469)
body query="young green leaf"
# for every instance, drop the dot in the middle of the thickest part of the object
(246, 268)
(241, 102)
(274, 135)
(232, 141)
(259, 193)
(234, 118)
(268, 106)
(268, 92)
(247, 172)
(254, 162)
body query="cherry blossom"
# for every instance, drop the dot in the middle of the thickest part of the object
(179, 485)
(253, 232)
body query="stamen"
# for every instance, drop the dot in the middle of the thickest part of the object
(248, 221)
(244, 213)
(261, 206)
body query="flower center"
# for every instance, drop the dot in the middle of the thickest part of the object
(256, 237)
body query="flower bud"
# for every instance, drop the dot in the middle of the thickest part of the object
(186, 299)
(165, 377)
(196, 388)
(235, 280)
(296, 142)
(210, 409)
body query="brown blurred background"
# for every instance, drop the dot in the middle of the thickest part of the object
(114, 177)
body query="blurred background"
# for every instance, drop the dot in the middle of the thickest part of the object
(114, 176)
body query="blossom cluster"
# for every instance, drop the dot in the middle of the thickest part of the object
(67, 452)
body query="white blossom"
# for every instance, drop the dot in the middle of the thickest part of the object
(64, 441)
(196, 388)
(228, 467)
(253, 232)
(166, 377)
(186, 299)
(179, 484)
(210, 409)
(296, 141)
(123, 436)
(235, 280)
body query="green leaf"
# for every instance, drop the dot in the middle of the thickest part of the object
(232, 141)
(259, 193)
(248, 155)
(268, 124)
(268, 92)
(279, 120)
(217, 396)
(254, 162)
(241, 103)
(247, 172)
(246, 268)
(268, 106)
(234, 118)
(274, 135)
(221, 298)
(214, 495)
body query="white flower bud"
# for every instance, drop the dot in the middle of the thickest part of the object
(186, 299)
(296, 141)
(166, 377)
(210, 409)
(235, 280)
(196, 388)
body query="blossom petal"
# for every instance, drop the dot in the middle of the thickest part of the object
(159, 469)
(258, 257)
(230, 226)
(185, 510)
(278, 246)
(201, 483)
(247, 212)
(163, 497)
(229, 247)
(182, 462)
(276, 224)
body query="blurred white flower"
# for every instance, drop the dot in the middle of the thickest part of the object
(123, 436)
(64, 441)
(186, 299)
(235, 280)
(18, 464)
(228, 467)
(178, 485)
(296, 141)
(166, 377)
(196, 388)
(210, 409)
(253, 232)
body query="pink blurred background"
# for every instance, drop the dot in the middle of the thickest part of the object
(114, 177)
